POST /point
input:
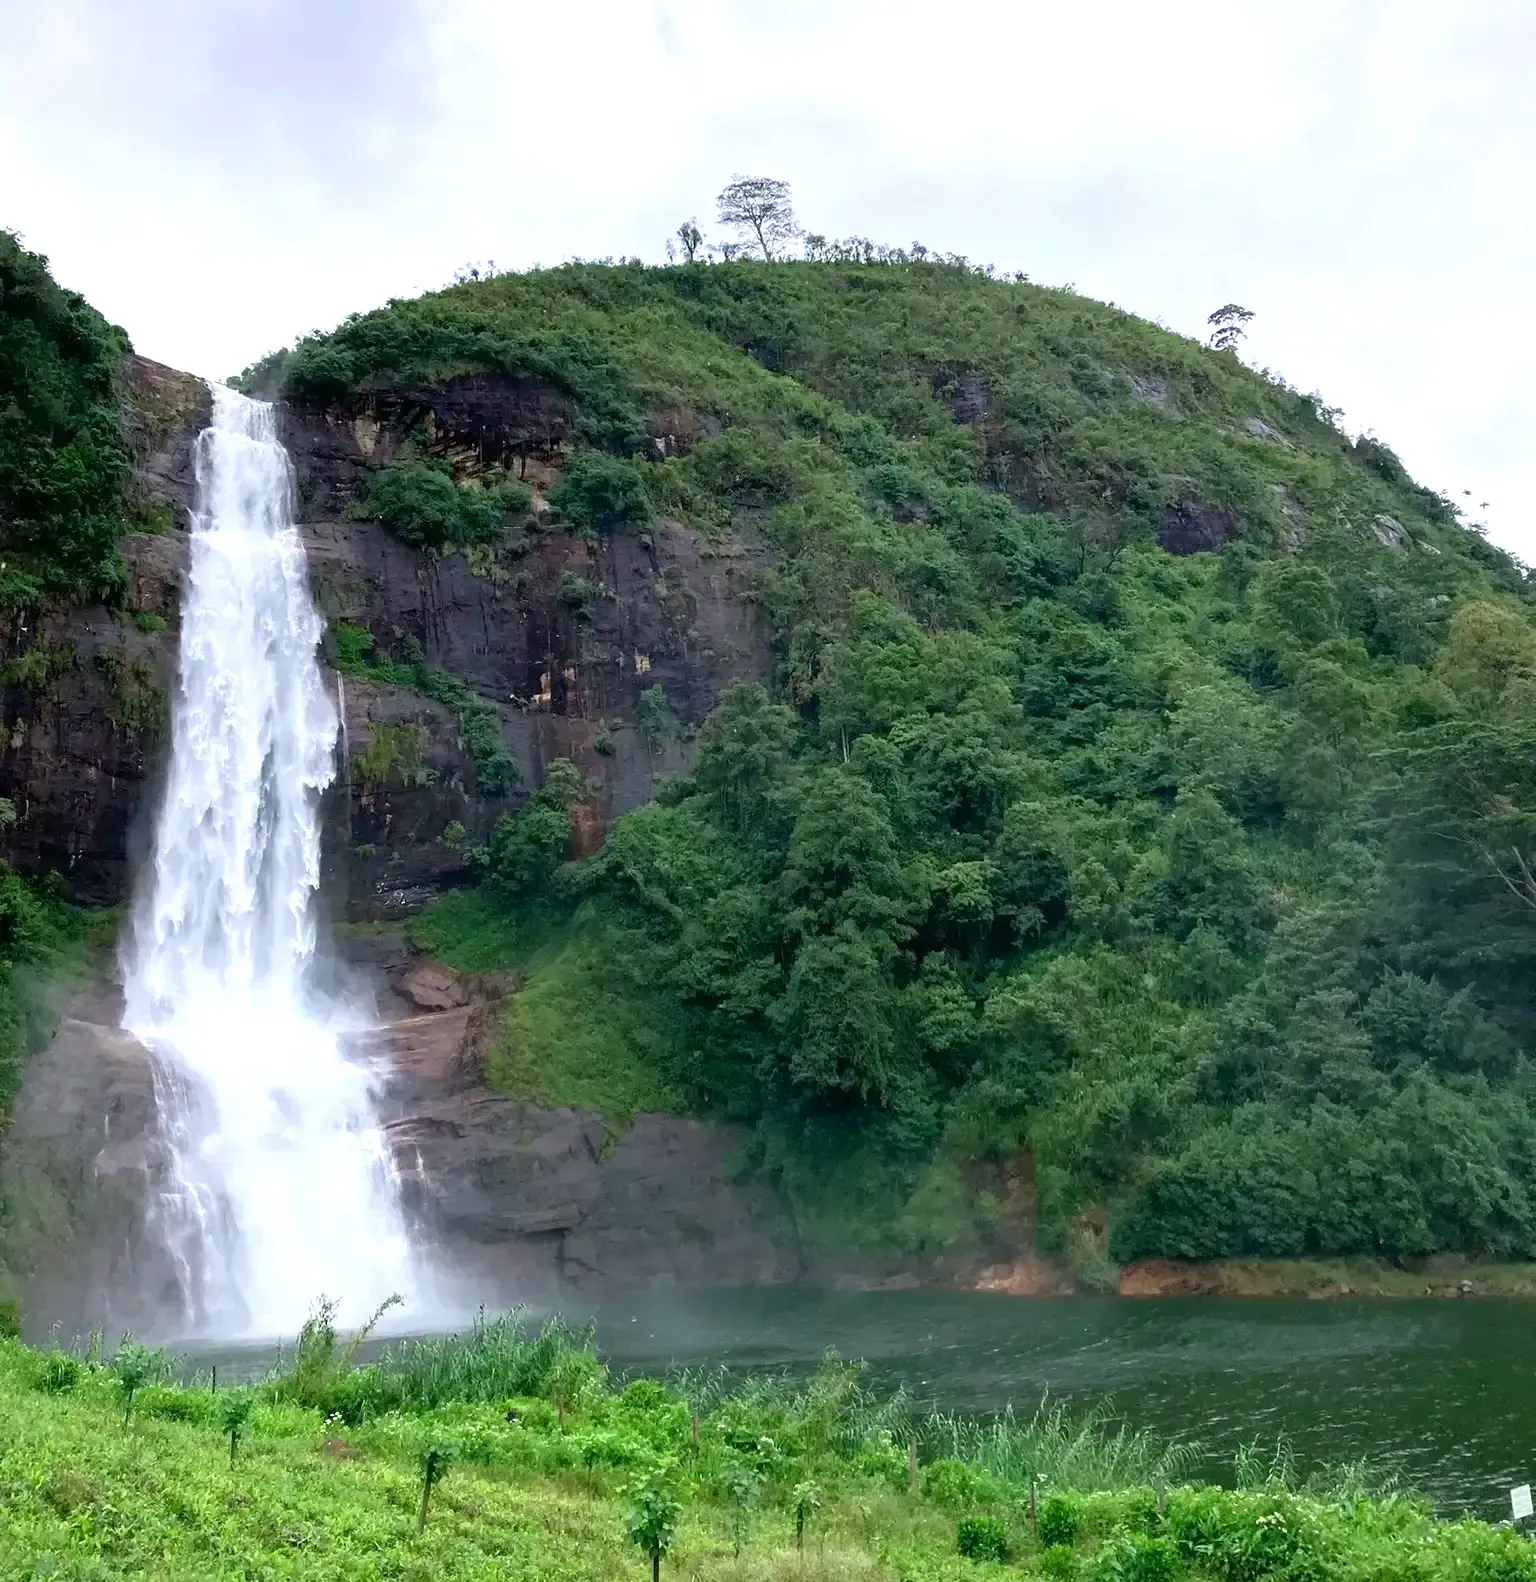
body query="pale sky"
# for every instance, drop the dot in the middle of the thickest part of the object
(220, 177)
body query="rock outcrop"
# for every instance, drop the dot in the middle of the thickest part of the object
(530, 1197)
(525, 1201)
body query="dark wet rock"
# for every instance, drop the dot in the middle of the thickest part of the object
(1191, 527)
(82, 1166)
(531, 1186)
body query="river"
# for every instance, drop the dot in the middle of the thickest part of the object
(1440, 1394)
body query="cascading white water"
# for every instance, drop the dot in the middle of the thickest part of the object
(282, 1186)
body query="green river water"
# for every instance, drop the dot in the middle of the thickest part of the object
(1441, 1394)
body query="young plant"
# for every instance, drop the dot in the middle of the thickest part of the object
(433, 1465)
(741, 1489)
(135, 1366)
(653, 1521)
(803, 1500)
(234, 1413)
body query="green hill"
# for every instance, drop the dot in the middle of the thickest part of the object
(1143, 795)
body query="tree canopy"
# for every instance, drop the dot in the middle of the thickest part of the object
(1140, 802)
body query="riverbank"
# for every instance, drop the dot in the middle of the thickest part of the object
(545, 1466)
(1314, 1278)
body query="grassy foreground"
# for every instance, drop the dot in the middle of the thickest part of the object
(544, 1466)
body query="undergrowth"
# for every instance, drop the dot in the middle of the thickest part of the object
(544, 1460)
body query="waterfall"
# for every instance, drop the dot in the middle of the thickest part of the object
(282, 1187)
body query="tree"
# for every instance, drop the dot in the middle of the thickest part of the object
(689, 240)
(653, 1522)
(525, 850)
(760, 206)
(1228, 326)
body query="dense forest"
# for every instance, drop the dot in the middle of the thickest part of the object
(1146, 780)
(1144, 787)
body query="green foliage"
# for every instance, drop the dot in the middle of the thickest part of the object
(652, 1521)
(1202, 877)
(1061, 1516)
(42, 940)
(149, 621)
(235, 1408)
(393, 753)
(982, 1538)
(63, 463)
(134, 1366)
(420, 503)
(526, 849)
(600, 494)
(10, 1318)
(1056, 1447)
(479, 721)
(804, 1502)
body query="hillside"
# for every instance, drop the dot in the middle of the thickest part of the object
(1130, 833)
(1091, 793)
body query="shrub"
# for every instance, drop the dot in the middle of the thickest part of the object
(354, 646)
(1059, 1563)
(10, 1308)
(600, 493)
(982, 1538)
(1061, 1515)
(1132, 1557)
(135, 1366)
(955, 1484)
(423, 507)
(173, 1405)
(57, 1371)
(234, 1411)
(149, 621)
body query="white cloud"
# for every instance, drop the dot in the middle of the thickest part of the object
(220, 179)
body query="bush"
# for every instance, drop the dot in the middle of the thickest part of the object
(600, 493)
(1132, 1557)
(56, 1371)
(1059, 1563)
(982, 1538)
(1061, 1516)
(956, 1484)
(423, 507)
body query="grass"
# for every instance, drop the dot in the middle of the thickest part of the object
(586, 1029)
(546, 1457)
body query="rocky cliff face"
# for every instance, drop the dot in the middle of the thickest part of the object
(86, 691)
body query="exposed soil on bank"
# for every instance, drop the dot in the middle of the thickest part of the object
(1445, 1275)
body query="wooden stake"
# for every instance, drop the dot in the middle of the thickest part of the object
(911, 1466)
(1034, 1514)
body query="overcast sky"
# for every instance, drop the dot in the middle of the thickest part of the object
(220, 177)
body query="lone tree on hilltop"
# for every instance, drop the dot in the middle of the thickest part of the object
(1228, 326)
(688, 240)
(759, 206)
